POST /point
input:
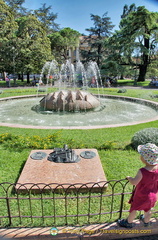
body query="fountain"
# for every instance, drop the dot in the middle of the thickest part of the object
(70, 100)
(72, 106)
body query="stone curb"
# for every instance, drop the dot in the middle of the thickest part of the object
(89, 232)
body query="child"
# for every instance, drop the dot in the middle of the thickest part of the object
(146, 182)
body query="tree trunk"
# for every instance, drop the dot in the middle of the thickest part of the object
(4, 75)
(22, 77)
(28, 78)
(14, 78)
(122, 76)
(142, 73)
(143, 67)
(99, 53)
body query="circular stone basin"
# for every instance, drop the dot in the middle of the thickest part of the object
(19, 112)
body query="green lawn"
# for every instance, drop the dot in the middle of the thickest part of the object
(118, 159)
(122, 82)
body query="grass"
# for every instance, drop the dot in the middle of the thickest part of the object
(130, 82)
(97, 138)
(149, 94)
(113, 145)
(121, 82)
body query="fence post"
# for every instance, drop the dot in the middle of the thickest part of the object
(121, 205)
(8, 209)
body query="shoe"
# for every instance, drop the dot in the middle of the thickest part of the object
(141, 218)
(124, 223)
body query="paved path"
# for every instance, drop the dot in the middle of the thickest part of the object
(89, 232)
(154, 237)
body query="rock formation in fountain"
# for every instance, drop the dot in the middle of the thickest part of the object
(69, 101)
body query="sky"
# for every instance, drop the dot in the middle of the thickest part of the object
(76, 13)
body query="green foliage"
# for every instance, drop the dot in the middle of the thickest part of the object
(152, 69)
(122, 90)
(8, 26)
(25, 46)
(147, 135)
(125, 46)
(108, 145)
(60, 42)
(19, 142)
(47, 18)
(101, 30)
(154, 96)
(34, 44)
(16, 7)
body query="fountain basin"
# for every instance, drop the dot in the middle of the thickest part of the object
(119, 111)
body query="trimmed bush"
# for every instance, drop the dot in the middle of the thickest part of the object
(41, 90)
(147, 135)
(122, 90)
(154, 96)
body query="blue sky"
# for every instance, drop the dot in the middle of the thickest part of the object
(76, 13)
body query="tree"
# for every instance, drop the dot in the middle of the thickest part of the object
(16, 7)
(135, 44)
(62, 41)
(115, 63)
(34, 44)
(127, 10)
(47, 18)
(153, 70)
(101, 30)
(7, 36)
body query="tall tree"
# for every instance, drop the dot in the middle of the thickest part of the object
(136, 42)
(127, 9)
(62, 41)
(7, 35)
(101, 30)
(47, 18)
(34, 45)
(16, 7)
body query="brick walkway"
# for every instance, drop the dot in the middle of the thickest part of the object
(90, 232)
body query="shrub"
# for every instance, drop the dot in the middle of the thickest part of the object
(19, 142)
(108, 145)
(154, 96)
(42, 90)
(122, 90)
(144, 136)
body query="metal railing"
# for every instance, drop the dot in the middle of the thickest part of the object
(56, 204)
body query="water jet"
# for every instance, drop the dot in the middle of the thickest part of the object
(72, 107)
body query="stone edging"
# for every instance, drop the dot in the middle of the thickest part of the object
(138, 100)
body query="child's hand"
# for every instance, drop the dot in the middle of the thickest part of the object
(136, 179)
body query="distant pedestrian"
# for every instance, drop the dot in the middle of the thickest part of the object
(93, 82)
(145, 193)
(7, 79)
(108, 82)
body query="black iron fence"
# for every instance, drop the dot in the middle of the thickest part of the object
(54, 204)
